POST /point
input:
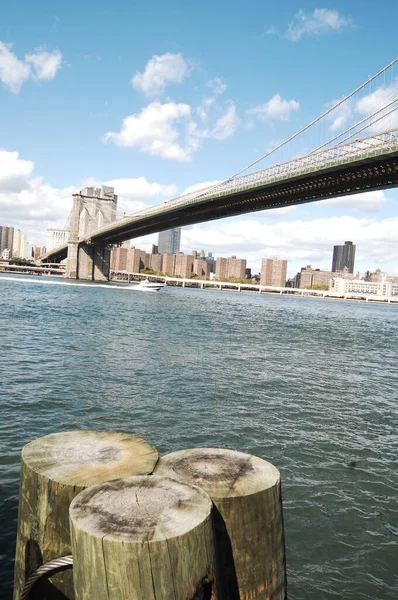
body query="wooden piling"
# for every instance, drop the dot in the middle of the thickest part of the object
(54, 469)
(248, 518)
(143, 538)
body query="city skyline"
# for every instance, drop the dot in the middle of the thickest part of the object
(214, 118)
(339, 253)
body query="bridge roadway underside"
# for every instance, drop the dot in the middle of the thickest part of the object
(379, 173)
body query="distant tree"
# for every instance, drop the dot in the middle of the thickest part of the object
(21, 261)
(320, 286)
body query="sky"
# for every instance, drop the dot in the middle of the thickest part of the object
(154, 98)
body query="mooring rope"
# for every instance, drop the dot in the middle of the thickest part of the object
(53, 566)
(62, 564)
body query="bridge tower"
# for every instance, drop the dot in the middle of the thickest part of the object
(92, 208)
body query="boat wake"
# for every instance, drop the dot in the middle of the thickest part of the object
(85, 284)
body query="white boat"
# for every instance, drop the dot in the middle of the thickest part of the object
(148, 286)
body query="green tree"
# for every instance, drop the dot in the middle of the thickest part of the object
(320, 286)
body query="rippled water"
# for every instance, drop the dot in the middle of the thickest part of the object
(310, 385)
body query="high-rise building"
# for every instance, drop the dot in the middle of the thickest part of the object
(309, 277)
(169, 241)
(273, 272)
(119, 258)
(230, 267)
(211, 262)
(55, 238)
(201, 267)
(38, 251)
(6, 238)
(236, 267)
(168, 264)
(221, 269)
(183, 264)
(343, 256)
(156, 262)
(20, 245)
(137, 260)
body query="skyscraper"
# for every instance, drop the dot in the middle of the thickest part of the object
(6, 238)
(56, 237)
(20, 245)
(343, 256)
(169, 241)
(273, 272)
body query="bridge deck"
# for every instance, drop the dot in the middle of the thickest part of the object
(363, 165)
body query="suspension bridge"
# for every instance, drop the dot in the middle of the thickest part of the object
(357, 151)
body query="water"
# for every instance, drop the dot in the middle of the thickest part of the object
(310, 385)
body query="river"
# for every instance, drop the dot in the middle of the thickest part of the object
(310, 385)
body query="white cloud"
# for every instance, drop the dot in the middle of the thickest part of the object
(226, 125)
(366, 202)
(13, 171)
(276, 108)
(218, 85)
(14, 72)
(204, 108)
(139, 188)
(35, 208)
(167, 130)
(300, 242)
(45, 64)
(159, 72)
(153, 131)
(321, 20)
(340, 116)
(223, 128)
(375, 101)
(32, 205)
(29, 203)
(136, 193)
(354, 111)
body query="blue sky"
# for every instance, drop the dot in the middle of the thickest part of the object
(156, 97)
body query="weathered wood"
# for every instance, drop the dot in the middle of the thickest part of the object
(142, 538)
(248, 518)
(54, 469)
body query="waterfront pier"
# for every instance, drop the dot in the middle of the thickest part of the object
(248, 287)
(101, 517)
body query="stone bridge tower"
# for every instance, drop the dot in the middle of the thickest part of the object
(92, 208)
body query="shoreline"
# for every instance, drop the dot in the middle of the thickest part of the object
(252, 289)
(223, 286)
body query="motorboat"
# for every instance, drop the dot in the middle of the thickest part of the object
(149, 286)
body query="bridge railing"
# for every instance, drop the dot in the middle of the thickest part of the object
(360, 149)
(343, 153)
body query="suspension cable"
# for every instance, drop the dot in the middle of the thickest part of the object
(357, 125)
(295, 135)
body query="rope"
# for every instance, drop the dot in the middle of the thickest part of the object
(62, 564)
(52, 567)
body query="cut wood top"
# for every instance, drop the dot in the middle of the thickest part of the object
(84, 458)
(140, 509)
(222, 473)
